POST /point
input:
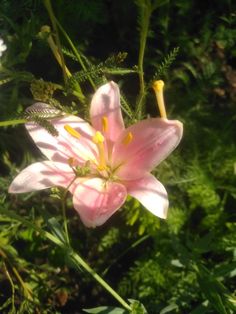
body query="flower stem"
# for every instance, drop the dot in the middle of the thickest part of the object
(74, 256)
(63, 205)
(99, 279)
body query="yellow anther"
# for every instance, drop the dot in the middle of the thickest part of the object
(98, 138)
(72, 131)
(158, 88)
(128, 138)
(104, 124)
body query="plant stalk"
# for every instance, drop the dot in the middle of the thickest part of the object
(12, 122)
(146, 10)
(76, 258)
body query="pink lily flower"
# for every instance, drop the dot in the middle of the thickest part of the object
(103, 163)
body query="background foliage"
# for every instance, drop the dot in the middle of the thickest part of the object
(185, 264)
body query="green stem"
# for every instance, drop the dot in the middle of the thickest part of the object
(126, 107)
(99, 279)
(146, 11)
(48, 6)
(53, 19)
(12, 122)
(76, 53)
(63, 201)
(76, 258)
(13, 310)
(63, 205)
(136, 243)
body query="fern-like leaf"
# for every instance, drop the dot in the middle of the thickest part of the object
(40, 112)
(43, 111)
(165, 64)
(109, 66)
(69, 53)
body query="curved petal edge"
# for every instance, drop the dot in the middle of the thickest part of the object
(150, 193)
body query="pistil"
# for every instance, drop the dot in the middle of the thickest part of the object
(158, 89)
(98, 139)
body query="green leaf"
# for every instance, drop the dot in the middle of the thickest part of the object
(137, 307)
(6, 304)
(165, 64)
(56, 229)
(169, 308)
(201, 309)
(214, 290)
(105, 310)
(119, 71)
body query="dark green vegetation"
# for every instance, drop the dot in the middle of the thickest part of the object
(185, 264)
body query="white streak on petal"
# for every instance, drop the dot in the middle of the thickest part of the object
(42, 175)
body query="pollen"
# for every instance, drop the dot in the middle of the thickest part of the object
(104, 124)
(158, 87)
(128, 138)
(72, 131)
(98, 138)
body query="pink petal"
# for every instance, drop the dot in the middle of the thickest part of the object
(96, 200)
(106, 103)
(42, 175)
(60, 148)
(150, 193)
(153, 140)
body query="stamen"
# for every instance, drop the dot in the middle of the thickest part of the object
(104, 124)
(72, 131)
(128, 138)
(158, 88)
(71, 162)
(98, 139)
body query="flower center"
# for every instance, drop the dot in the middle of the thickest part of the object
(99, 166)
